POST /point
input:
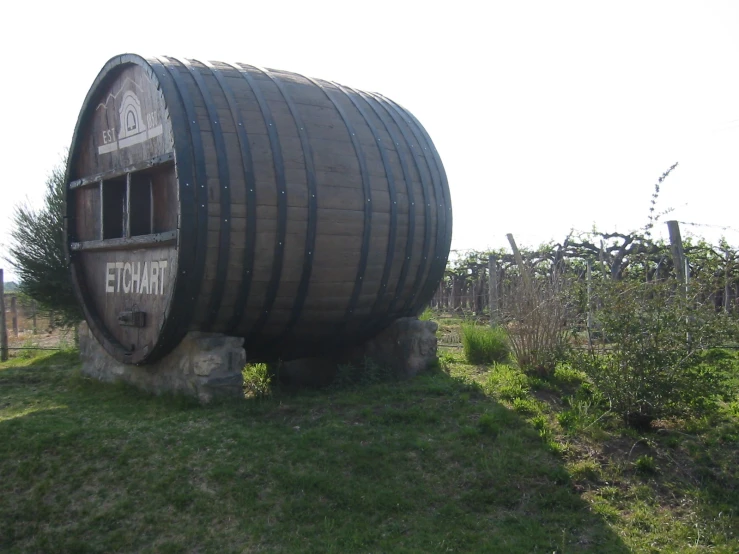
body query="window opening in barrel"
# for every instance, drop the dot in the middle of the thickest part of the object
(133, 205)
(114, 207)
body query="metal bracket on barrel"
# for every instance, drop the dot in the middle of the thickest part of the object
(132, 319)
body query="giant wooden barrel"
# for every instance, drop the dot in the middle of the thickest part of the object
(300, 214)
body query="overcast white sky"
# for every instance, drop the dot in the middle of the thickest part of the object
(547, 115)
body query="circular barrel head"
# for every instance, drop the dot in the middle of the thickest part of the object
(122, 208)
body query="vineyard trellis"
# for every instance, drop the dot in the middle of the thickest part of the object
(27, 326)
(470, 278)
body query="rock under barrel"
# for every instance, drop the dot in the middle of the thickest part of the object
(300, 214)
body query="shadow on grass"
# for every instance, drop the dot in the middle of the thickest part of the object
(672, 488)
(701, 468)
(427, 465)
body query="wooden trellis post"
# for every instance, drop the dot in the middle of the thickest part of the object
(680, 262)
(3, 330)
(602, 257)
(520, 263)
(452, 293)
(589, 277)
(727, 289)
(493, 290)
(14, 314)
(676, 247)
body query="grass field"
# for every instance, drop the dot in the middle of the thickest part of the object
(462, 459)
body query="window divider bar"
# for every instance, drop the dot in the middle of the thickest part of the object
(127, 214)
(102, 210)
(151, 205)
(168, 238)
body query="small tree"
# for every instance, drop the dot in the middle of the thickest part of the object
(37, 251)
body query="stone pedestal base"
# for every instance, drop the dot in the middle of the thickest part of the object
(208, 365)
(204, 365)
(407, 347)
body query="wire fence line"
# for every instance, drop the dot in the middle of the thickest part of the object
(28, 327)
(33, 348)
(23, 314)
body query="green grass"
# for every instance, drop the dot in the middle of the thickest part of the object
(428, 465)
(426, 315)
(484, 345)
(468, 458)
(672, 490)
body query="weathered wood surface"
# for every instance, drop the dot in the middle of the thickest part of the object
(118, 172)
(308, 214)
(678, 252)
(493, 291)
(141, 241)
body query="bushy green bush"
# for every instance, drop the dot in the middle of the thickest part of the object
(657, 361)
(257, 380)
(484, 345)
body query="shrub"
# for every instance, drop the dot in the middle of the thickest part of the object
(257, 380)
(538, 330)
(657, 362)
(484, 345)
